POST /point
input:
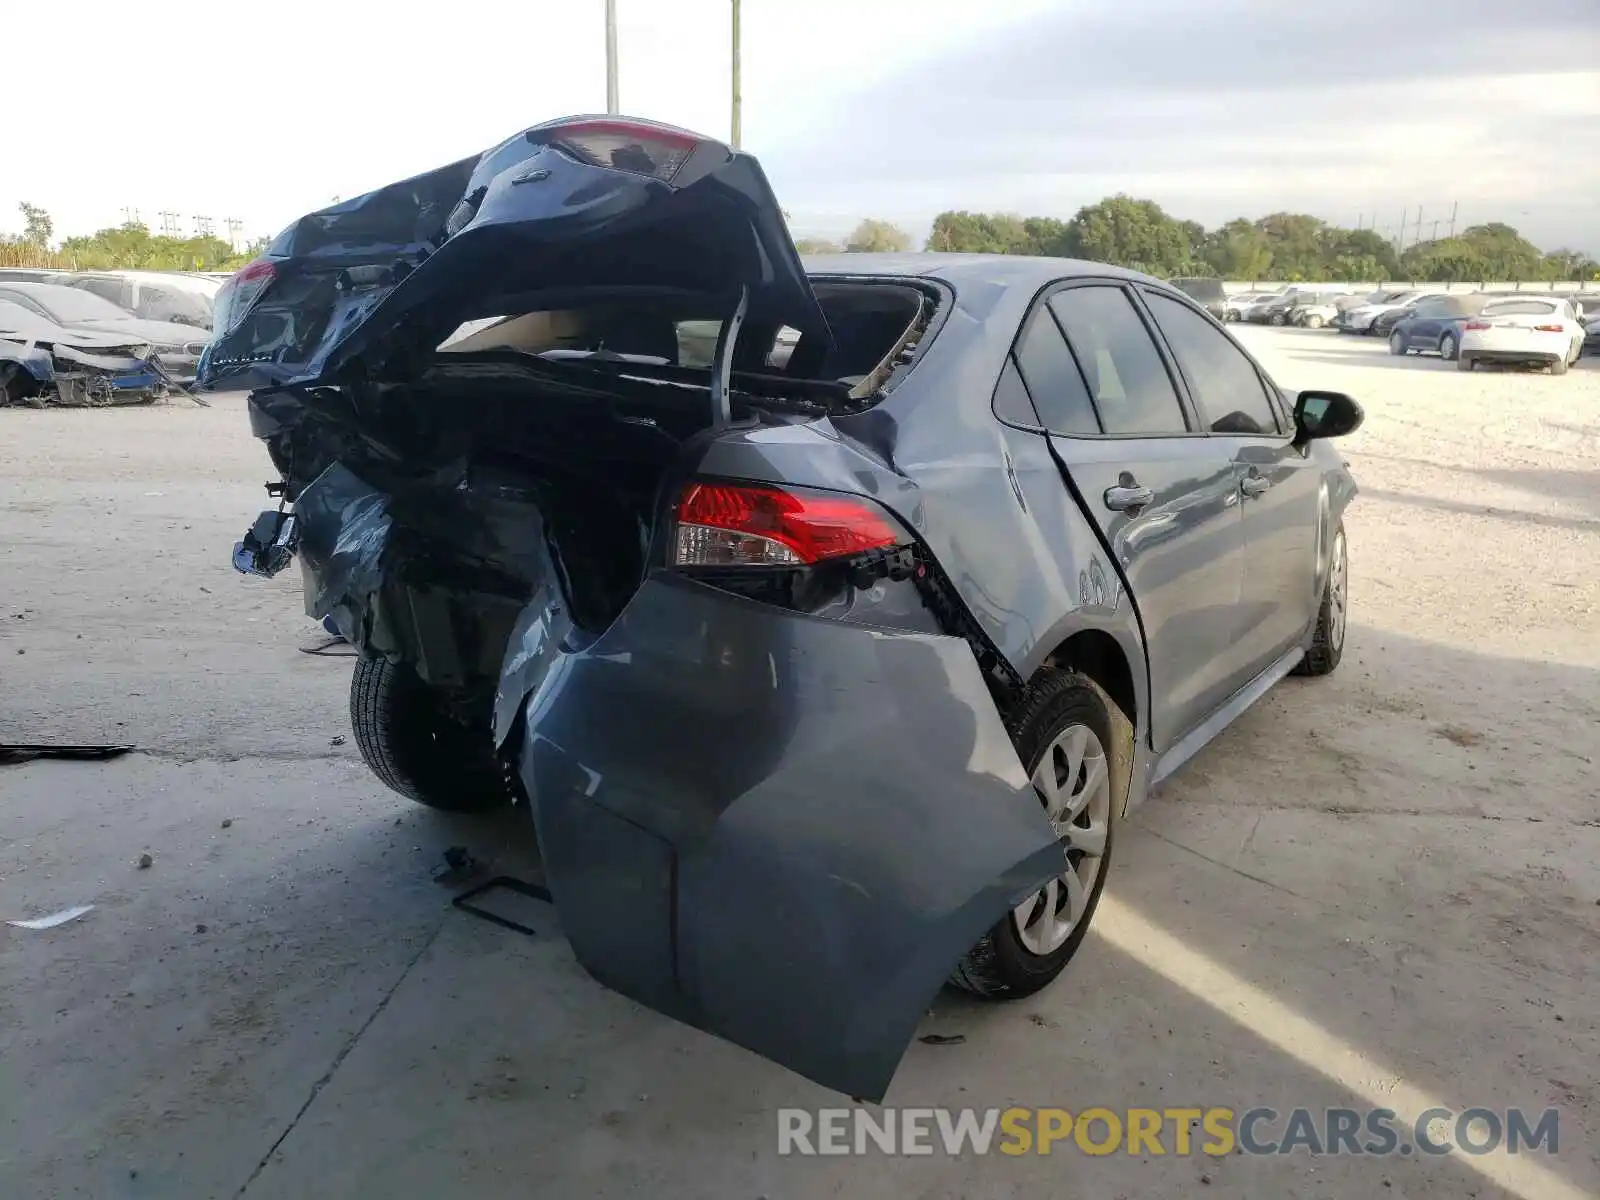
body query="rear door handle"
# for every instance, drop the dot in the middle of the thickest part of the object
(1254, 485)
(1125, 499)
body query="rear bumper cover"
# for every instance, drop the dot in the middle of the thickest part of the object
(783, 830)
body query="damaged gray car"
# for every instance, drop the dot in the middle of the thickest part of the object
(828, 616)
(43, 364)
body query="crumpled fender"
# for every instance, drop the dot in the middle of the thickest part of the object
(781, 829)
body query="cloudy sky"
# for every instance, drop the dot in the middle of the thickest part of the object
(890, 108)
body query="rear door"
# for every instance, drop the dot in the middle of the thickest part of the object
(1282, 491)
(1164, 495)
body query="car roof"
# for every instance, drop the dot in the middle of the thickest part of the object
(1010, 270)
(30, 288)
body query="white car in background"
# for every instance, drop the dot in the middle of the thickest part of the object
(1537, 331)
(154, 295)
(1237, 306)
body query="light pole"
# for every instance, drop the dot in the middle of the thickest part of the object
(611, 57)
(735, 74)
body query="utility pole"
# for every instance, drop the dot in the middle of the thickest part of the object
(736, 113)
(169, 223)
(202, 226)
(235, 225)
(1417, 237)
(611, 58)
(1435, 234)
(1400, 242)
(1453, 205)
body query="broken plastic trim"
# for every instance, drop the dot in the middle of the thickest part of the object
(722, 361)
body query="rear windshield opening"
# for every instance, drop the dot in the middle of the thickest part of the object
(874, 325)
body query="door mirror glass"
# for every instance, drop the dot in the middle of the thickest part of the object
(1325, 415)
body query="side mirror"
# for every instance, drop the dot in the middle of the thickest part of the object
(1325, 415)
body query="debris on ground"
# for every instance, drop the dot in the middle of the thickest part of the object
(457, 867)
(26, 753)
(145, 862)
(226, 822)
(201, 928)
(336, 740)
(54, 919)
(942, 1039)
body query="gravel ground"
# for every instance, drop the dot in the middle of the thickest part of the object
(1378, 888)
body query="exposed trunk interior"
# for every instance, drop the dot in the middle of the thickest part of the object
(542, 442)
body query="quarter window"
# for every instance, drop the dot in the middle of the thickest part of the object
(1126, 378)
(1223, 381)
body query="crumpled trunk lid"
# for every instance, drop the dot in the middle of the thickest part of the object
(579, 210)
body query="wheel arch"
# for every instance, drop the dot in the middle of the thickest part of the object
(1103, 660)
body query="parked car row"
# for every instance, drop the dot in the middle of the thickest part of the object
(69, 303)
(180, 297)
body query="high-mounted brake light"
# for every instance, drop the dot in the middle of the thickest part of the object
(658, 151)
(238, 296)
(734, 525)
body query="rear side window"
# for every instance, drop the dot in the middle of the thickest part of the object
(1126, 378)
(1053, 379)
(1224, 382)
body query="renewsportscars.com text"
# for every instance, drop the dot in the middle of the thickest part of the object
(1214, 1131)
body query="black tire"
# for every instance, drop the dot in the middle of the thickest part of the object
(1397, 343)
(1465, 362)
(415, 745)
(1449, 347)
(1000, 967)
(1279, 319)
(1327, 642)
(1559, 367)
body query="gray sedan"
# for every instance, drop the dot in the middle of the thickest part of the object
(827, 663)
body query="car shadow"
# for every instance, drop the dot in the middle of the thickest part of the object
(1440, 504)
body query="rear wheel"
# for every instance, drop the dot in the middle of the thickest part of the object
(1559, 367)
(414, 743)
(1397, 343)
(1313, 321)
(1278, 318)
(1327, 642)
(1466, 362)
(1064, 736)
(1447, 347)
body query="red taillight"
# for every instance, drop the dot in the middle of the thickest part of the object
(642, 147)
(1476, 325)
(1549, 329)
(742, 525)
(238, 295)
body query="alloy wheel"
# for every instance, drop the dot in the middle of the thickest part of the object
(1074, 784)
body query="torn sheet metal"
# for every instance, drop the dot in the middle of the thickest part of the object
(781, 830)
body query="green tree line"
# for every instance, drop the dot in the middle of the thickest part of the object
(1287, 247)
(128, 246)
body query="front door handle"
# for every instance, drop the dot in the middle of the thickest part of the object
(1254, 485)
(1124, 498)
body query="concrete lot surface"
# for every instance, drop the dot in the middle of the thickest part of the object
(1377, 889)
